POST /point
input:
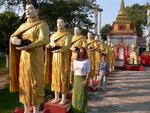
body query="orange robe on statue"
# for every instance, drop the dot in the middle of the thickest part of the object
(60, 63)
(27, 66)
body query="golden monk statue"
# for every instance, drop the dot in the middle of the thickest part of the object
(97, 51)
(27, 59)
(133, 59)
(78, 41)
(91, 52)
(103, 47)
(60, 43)
(112, 57)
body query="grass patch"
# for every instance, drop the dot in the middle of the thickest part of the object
(2, 62)
(8, 101)
(3, 70)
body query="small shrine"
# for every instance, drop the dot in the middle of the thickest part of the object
(123, 34)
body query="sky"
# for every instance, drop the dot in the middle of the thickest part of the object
(111, 8)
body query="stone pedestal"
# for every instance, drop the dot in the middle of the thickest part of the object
(21, 110)
(56, 108)
(134, 67)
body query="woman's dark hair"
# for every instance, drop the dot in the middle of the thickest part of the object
(33, 2)
(103, 54)
(85, 53)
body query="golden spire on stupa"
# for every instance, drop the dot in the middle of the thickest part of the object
(122, 8)
(122, 25)
(122, 16)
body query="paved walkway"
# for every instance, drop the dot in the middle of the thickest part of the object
(128, 92)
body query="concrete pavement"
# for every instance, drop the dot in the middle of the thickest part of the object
(128, 92)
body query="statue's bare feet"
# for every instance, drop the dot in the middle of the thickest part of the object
(54, 101)
(62, 102)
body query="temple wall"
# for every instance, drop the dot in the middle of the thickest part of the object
(128, 40)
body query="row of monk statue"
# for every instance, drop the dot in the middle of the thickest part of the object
(27, 58)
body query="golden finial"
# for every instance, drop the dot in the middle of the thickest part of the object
(122, 8)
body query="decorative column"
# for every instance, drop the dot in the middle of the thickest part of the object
(96, 10)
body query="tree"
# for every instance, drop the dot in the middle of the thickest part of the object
(72, 10)
(8, 24)
(105, 30)
(137, 14)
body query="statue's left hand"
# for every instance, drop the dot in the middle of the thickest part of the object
(21, 48)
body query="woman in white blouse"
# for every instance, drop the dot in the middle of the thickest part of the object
(80, 69)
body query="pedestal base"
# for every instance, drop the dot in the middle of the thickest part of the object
(145, 59)
(21, 110)
(56, 108)
(134, 67)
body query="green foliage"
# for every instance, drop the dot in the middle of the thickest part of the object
(73, 12)
(8, 24)
(105, 30)
(2, 62)
(137, 14)
(8, 101)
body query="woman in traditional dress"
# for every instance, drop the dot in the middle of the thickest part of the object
(80, 69)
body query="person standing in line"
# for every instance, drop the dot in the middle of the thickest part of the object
(81, 74)
(103, 70)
